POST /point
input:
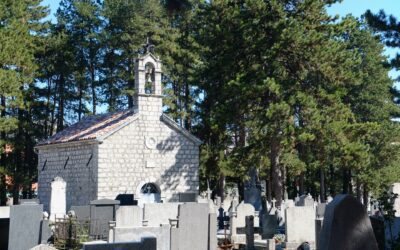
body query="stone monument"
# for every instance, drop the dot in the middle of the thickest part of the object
(58, 205)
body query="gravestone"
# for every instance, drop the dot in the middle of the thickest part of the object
(58, 201)
(160, 213)
(126, 200)
(43, 247)
(320, 209)
(188, 197)
(249, 232)
(318, 227)
(221, 217)
(101, 213)
(24, 226)
(193, 226)
(129, 216)
(45, 231)
(28, 201)
(378, 226)
(299, 226)
(395, 188)
(269, 225)
(238, 223)
(306, 200)
(346, 226)
(82, 213)
(129, 234)
(148, 243)
(4, 230)
(4, 212)
(212, 231)
(252, 191)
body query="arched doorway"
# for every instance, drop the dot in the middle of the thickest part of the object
(149, 193)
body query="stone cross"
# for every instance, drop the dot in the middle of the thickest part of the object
(273, 202)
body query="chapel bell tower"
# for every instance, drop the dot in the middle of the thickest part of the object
(148, 87)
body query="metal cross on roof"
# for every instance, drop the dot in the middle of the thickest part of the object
(148, 47)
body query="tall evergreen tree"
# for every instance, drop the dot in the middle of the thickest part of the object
(20, 25)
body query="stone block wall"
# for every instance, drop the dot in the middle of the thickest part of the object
(148, 151)
(80, 172)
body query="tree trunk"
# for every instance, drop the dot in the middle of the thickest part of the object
(345, 181)
(93, 86)
(80, 103)
(358, 191)
(322, 185)
(60, 114)
(365, 196)
(188, 121)
(221, 186)
(3, 185)
(277, 175)
(301, 184)
(131, 86)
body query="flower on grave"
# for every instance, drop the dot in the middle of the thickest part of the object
(279, 238)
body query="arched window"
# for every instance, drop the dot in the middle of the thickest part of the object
(149, 188)
(149, 78)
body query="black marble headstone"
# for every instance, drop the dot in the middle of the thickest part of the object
(126, 200)
(378, 226)
(346, 226)
(4, 229)
(221, 218)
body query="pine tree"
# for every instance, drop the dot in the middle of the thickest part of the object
(20, 28)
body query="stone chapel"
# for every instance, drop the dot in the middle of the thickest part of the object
(139, 151)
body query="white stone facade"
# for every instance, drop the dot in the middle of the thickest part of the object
(147, 151)
(146, 147)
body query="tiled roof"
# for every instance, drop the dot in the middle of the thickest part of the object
(91, 127)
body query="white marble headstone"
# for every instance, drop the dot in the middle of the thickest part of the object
(58, 202)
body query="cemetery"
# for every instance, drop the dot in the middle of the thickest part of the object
(85, 203)
(199, 125)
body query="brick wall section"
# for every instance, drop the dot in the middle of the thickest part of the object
(126, 162)
(80, 178)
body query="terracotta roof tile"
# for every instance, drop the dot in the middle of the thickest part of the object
(91, 127)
